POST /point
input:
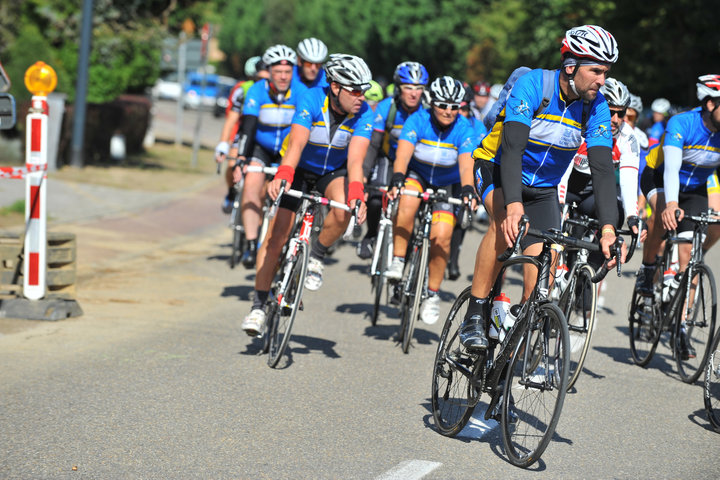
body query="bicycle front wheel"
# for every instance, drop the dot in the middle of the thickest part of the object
(288, 303)
(645, 321)
(695, 323)
(416, 279)
(578, 303)
(534, 391)
(453, 394)
(711, 390)
(383, 244)
(238, 237)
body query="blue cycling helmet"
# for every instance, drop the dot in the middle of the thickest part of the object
(410, 72)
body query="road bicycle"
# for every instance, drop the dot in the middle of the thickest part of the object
(239, 241)
(685, 306)
(525, 374)
(382, 254)
(711, 390)
(285, 298)
(413, 286)
(576, 295)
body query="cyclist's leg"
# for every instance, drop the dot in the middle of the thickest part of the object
(379, 178)
(405, 218)
(652, 187)
(336, 220)
(252, 199)
(713, 190)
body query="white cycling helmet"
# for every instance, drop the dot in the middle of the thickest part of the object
(279, 55)
(636, 103)
(660, 105)
(447, 89)
(312, 50)
(495, 90)
(616, 93)
(708, 86)
(348, 70)
(590, 42)
(251, 66)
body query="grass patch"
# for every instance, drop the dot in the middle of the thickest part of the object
(163, 168)
(18, 207)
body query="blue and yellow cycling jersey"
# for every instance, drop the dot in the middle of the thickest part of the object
(700, 148)
(273, 118)
(555, 134)
(478, 128)
(436, 153)
(297, 83)
(382, 110)
(713, 185)
(321, 154)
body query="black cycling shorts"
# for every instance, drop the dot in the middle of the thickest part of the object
(540, 203)
(454, 190)
(264, 156)
(693, 202)
(307, 181)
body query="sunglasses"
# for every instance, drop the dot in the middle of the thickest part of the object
(619, 113)
(352, 91)
(445, 106)
(410, 88)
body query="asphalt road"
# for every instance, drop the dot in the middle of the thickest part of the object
(157, 381)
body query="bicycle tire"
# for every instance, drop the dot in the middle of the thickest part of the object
(579, 311)
(645, 322)
(288, 304)
(378, 276)
(699, 331)
(238, 236)
(527, 420)
(453, 396)
(711, 385)
(417, 286)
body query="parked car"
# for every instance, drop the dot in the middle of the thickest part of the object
(222, 100)
(196, 95)
(167, 87)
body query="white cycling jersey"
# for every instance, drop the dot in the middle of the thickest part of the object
(626, 158)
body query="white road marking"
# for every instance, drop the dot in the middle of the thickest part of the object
(409, 470)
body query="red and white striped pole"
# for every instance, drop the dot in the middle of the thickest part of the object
(35, 265)
(40, 80)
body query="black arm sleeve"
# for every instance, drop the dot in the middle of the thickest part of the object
(372, 152)
(514, 139)
(603, 179)
(246, 136)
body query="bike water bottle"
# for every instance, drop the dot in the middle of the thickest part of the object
(511, 317)
(561, 279)
(500, 308)
(668, 277)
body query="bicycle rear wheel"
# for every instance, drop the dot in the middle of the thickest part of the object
(453, 395)
(288, 303)
(416, 280)
(645, 328)
(696, 332)
(711, 390)
(578, 304)
(534, 392)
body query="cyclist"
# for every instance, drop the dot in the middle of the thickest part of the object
(311, 54)
(233, 113)
(433, 152)
(660, 112)
(521, 161)
(458, 234)
(677, 173)
(625, 155)
(480, 105)
(325, 149)
(410, 79)
(268, 111)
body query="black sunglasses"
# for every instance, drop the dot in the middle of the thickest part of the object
(445, 106)
(619, 113)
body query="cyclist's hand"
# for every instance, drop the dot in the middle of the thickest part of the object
(361, 212)
(607, 240)
(397, 182)
(668, 216)
(510, 226)
(221, 151)
(237, 172)
(470, 197)
(274, 186)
